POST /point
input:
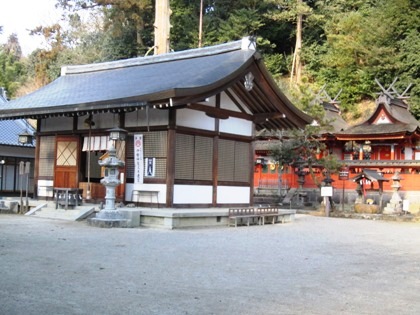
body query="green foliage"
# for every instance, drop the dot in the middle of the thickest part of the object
(365, 41)
(127, 25)
(330, 163)
(301, 147)
(12, 69)
(277, 64)
(346, 43)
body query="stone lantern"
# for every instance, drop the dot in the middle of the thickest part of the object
(395, 204)
(111, 179)
(301, 180)
(110, 216)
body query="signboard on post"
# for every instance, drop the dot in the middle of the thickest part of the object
(21, 168)
(344, 173)
(326, 191)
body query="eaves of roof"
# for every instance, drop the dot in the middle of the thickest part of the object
(378, 132)
(179, 79)
(134, 82)
(372, 175)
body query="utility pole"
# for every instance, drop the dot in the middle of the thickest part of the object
(162, 27)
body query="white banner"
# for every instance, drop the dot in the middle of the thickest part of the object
(149, 167)
(138, 159)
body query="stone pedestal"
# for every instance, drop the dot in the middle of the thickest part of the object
(108, 219)
(394, 206)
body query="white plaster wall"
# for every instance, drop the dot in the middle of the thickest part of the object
(227, 103)
(210, 101)
(138, 118)
(236, 126)
(194, 119)
(145, 198)
(193, 194)
(231, 194)
(57, 124)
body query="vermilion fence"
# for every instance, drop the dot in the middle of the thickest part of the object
(269, 179)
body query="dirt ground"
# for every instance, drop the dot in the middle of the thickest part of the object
(315, 265)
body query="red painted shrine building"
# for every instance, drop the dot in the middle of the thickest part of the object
(388, 142)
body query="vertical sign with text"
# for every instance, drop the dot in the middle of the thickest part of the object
(138, 159)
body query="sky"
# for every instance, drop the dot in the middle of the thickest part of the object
(20, 16)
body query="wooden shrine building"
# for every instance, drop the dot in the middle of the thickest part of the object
(389, 140)
(13, 154)
(191, 118)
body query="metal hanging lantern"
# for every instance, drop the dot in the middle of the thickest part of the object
(25, 138)
(117, 134)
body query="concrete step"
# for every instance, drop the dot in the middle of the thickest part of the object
(289, 196)
(48, 211)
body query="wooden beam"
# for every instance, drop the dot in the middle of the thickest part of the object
(218, 112)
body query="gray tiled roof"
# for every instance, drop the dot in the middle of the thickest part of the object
(181, 78)
(370, 174)
(335, 121)
(11, 129)
(403, 121)
(138, 80)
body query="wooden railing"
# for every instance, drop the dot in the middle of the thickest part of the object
(382, 163)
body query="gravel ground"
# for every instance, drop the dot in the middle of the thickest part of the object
(315, 265)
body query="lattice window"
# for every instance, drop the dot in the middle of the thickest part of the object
(242, 164)
(184, 157)
(234, 161)
(193, 157)
(154, 146)
(46, 157)
(226, 167)
(203, 158)
(66, 153)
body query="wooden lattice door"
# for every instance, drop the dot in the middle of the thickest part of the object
(67, 162)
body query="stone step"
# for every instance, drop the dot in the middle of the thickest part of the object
(289, 196)
(49, 212)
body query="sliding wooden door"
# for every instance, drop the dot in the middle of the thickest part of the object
(67, 159)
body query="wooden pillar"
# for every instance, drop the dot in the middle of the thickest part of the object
(216, 154)
(37, 154)
(170, 159)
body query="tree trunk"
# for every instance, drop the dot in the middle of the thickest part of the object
(297, 64)
(162, 26)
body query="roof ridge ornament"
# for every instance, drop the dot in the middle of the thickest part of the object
(324, 99)
(249, 84)
(249, 43)
(387, 95)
